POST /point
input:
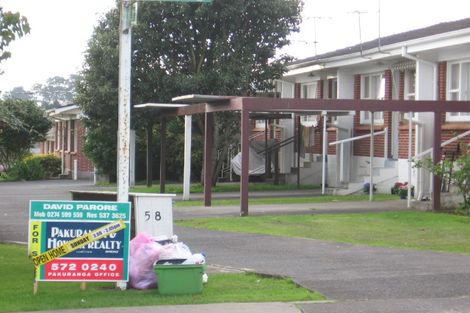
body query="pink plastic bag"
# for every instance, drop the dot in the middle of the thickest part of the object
(144, 252)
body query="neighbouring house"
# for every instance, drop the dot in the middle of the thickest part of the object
(431, 63)
(66, 139)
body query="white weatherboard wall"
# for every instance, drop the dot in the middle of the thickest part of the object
(426, 85)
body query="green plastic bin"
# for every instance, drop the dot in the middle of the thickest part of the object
(179, 279)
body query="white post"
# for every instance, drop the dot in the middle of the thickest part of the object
(410, 133)
(371, 157)
(187, 157)
(132, 159)
(386, 143)
(75, 169)
(324, 153)
(124, 106)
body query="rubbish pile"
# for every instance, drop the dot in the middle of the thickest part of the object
(147, 251)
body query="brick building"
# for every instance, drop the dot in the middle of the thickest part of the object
(66, 140)
(431, 63)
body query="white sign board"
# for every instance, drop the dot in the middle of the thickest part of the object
(154, 214)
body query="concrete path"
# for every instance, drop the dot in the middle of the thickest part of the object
(357, 278)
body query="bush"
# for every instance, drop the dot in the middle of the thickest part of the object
(50, 163)
(459, 176)
(36, 167)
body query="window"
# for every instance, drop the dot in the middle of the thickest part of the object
(372, 87)
(410, 88)
(309, 91)
(260, 124)
(458, 87)
(334, 89)
(309, 120)
(72, 136)
(65, 134)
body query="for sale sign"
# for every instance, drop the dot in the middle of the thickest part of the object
(79, 240)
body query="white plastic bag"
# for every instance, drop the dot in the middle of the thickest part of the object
(175, 251)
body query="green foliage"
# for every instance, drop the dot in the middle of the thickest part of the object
(12, 26)
(25, 125)
(50, 163)
(27, 169)
(36, 167)
(457, 172)
(222, 48)
(56, 91)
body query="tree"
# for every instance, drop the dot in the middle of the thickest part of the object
(56, 91)
(19, 93)
(12, 26)
(24, 124)
(225, 48)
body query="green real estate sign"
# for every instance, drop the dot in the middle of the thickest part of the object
(79, 240)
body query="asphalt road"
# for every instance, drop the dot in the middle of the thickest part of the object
(357, 278)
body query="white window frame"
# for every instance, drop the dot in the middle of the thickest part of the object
(308, 95)
(380, 88)
(461, 92)
(408, 93)
(309, 120)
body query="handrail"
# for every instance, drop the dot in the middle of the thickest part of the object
(278, 145)
(337, 142)
(383, 132)
(445, 143)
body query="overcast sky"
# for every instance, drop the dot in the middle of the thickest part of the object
(60, 30)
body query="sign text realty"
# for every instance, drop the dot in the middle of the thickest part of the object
(79, 241)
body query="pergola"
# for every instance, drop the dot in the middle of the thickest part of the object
(208, 104)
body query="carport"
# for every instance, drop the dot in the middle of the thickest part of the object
(209, 104)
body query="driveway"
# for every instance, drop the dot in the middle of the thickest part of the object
(358, 278)
(14, 203)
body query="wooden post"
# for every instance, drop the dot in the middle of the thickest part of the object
(162, 154)
(149, 153)
(208, 143)
(436, 158)
(244, 179)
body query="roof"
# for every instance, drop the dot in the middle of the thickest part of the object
(436, 29)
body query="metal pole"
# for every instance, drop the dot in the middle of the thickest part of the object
(298, 139)
(187, 156)
(124, 106)
(324, 154)
(410, 134)
(371, 158)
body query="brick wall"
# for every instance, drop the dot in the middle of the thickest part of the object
(442, 85)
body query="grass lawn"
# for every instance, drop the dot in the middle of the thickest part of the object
(282, 200)
(416, 230)
(220, 187)
(16, 271)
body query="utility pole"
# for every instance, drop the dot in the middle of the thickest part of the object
(124, 103)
